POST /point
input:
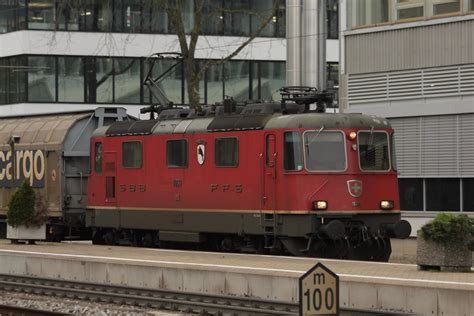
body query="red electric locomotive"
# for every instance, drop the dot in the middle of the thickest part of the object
(264, 178)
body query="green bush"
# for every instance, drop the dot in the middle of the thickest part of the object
(21, 209)
(449, 228)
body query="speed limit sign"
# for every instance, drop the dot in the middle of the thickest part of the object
(319, 292)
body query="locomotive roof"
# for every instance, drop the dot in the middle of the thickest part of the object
(241, 122)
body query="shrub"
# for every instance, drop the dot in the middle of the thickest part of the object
(449, 228)
(21, 208)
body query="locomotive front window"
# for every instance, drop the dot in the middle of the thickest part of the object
(98, 157)
(373, 151)
(177, 153)
(132, 154)
(292, 147)
(324, 151)
(226, 152)
(393, 152)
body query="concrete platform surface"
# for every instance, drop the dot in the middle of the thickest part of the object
(392, 286)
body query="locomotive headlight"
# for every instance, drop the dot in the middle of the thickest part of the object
(386, 205)
(352, 135)
(320, 205)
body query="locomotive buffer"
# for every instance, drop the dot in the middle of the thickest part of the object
(319, 292)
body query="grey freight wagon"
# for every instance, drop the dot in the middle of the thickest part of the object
(53, 152)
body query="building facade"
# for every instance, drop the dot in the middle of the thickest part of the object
(60, 55)
(413, 62)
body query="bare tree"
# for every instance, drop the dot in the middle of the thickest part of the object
(188, 40)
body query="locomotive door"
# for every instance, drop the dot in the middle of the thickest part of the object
(110, 164)
(269, 172)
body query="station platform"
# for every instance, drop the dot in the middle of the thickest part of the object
(363, 285)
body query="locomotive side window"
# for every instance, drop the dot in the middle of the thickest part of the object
(292, 148)
(98, 157)
(132, 154)
(177, 153)
(324, 151)
(373, 151)
(226, 152)
(393, 153)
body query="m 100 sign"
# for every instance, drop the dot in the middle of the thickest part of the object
(29, 164)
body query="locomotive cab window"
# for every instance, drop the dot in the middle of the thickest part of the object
(324, 151)
(292, 147)
(98, 157)
(177, 153)
(373, 151)
(132, 154)
(226, 152)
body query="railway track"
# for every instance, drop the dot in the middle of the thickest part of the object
(23, 311)
(158, 299)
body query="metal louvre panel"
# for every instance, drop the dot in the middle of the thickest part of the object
(407, 145)
(435, 146)
(400, 85)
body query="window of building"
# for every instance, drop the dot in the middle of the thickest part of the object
(177, 153)
(292, 150)
(41, 79)
(471, 5)
(333, 19)
(236, 18)
(16, 79)
(98, 157)
(324, 151)
(132, 154)
(155, 19)
(368, 12)
(409, 9)
(171, 85)
(99, 80)
(446, 6)
(237, 80)
(8, 11)
(442, 194)
(261, 11)
(127, 80)
(411, 194)
(70, 79)
(127, 16)
(373, 151)
(270, 77)
(41, 15)
(215, 83)
(467, 193)
(227, 152)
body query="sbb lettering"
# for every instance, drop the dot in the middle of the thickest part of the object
(29, 164)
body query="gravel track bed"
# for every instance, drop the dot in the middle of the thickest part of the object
(75, 307)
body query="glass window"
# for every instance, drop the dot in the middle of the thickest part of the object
(3, 80)
(171, 85)
(292, 147)
(69, 13)
(237, 80)
(132, 154)
(261, 11)
(272, 77)
(201, 87)
(177, 153)
(155, 19)
(373, 151)
(471, 5)
(333, 75)
(446, 6)
(236, 18)
(70, 79)
(17, 79)
(41, 79)
(468, 196)
(7, 16)
(99, 76)
(333, 19)
(369, 12)
(393, 152)
(411, 194)
(213, 18)
(127, 80)
(41, 15)
(408, 9)
(227, 152)
(98, 157)
(442, 195)
(215, 84)
(324, 151)
(132, 16)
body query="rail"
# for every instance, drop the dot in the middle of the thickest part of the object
(159, 299)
